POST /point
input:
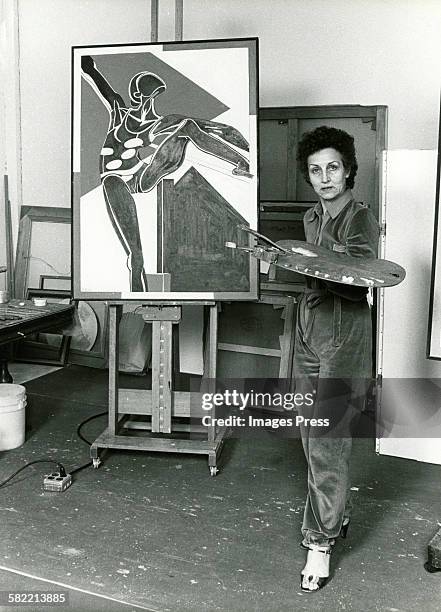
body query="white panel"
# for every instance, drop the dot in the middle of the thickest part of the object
(297, 72)
(435, 322)
(419, 449)
(410, 197)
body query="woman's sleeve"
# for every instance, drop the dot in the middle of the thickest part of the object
(361, 241)
(363, 233)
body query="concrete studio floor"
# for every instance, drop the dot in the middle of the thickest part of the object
(154, 531)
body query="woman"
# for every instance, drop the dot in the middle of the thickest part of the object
(333, 343)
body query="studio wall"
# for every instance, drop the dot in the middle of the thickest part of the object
(320, 52)
(48, 29)
(311, 53)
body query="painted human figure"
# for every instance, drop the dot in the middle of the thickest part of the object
(132, 127)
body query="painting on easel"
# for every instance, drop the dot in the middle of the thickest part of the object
(164, 164)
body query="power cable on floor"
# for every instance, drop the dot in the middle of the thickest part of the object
(60, 466)
(80, 435)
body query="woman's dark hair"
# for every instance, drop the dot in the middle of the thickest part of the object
(325, 137)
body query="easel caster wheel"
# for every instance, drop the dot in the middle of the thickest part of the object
(213, 470)
(431, 568)
(96, 463)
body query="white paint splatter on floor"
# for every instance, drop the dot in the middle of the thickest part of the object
(71, 552)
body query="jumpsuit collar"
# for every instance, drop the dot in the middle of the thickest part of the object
(335, 207)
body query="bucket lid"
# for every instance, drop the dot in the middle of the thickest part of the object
(9, 391)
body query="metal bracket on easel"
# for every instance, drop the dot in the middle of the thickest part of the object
(160, 313)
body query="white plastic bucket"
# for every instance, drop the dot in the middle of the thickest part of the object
(12, 416)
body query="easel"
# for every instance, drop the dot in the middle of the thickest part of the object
(161, 404)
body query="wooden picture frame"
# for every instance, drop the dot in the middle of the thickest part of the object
(44, 278)
(156, 201)
(29, 216)
(32, 350)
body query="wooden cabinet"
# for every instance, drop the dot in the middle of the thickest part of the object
(282, 127)
(284, 198)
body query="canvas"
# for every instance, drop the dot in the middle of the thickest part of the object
(164, 163)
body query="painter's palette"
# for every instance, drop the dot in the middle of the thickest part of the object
(319, 262)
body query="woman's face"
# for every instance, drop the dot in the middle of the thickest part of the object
(327, 173)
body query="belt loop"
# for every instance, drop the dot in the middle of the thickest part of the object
(337, 321)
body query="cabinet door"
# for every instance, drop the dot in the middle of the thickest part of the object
(284, 193)
(365, 141)
(280, 131)
(273, 151)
